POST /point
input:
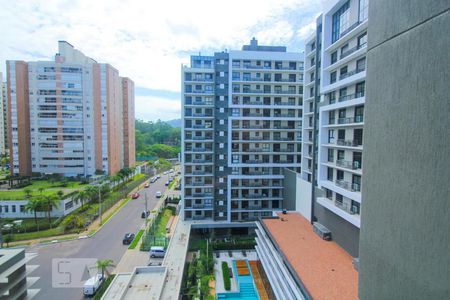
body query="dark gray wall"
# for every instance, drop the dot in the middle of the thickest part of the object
(405, 231)
(290, 188)
(343, 232)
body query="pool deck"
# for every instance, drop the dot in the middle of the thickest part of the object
(223, 256)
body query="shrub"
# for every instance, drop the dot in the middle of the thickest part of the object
(226, 276)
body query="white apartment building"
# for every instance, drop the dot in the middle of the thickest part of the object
(66, 115)
(242, 117)
(3, 117)
(342, 111)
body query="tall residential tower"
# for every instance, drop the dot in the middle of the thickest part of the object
(242, 118)
(72, 116)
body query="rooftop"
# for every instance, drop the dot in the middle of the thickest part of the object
(323, 267)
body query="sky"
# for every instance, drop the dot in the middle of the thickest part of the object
(148, 41)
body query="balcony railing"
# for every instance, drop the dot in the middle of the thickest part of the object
(357, 119)
(351, 96)
(353, 187)
(350, 51)
(201, 79)
(353, 26)
(202, 195)
(350, 73)
(353, 165)
(349, 143)
(344, 207)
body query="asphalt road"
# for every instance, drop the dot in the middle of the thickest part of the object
(105, 244)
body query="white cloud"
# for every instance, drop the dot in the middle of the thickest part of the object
(147, 40)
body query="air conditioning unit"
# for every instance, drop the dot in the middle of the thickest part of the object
(322, 231)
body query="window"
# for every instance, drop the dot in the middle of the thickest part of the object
(333, 77)
(331, 117)
(362, 40)
(339, 175)
(359, 89)
(360, 65)
(330, 174)
(340, 21)
(339, 198)
(332, 97)
(13, 208)
(340, 154)
(331, 155)
(333, 57)
(363, 10)
(329, 194)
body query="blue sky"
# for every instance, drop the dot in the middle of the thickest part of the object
(148, 41)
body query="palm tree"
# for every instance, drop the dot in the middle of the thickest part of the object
(50, 202)
(81, 196)
(33, 205)
(92, 192)
(60, 194)
(104, 264)
(104, 189)
(27, 192)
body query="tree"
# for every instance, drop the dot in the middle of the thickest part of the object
(34, 205)
(81, 196)
(8, 239)
(50, 201)
(27, 192)
(104, 189)
(103, 265)
(60, 194)
(41, 189)
(92, 192)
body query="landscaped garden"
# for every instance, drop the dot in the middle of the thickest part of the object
(79, 219)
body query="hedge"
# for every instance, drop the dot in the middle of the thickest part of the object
(103, 287)
(136, 239)
(226, 276)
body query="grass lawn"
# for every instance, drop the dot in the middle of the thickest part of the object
(29, 222)
(136, 239)
(161, 227)
(50, 188)
(38, 234)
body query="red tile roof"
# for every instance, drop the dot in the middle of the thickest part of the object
(324, 268)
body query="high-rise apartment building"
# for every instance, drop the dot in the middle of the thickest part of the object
(333, 120)
(72, 116)
(242, 118)
(3, 117)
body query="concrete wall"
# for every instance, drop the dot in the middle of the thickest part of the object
(343, 232)
(405, 235)
(290, 187)
(303, 198)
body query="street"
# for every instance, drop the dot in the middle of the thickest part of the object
(105, 244)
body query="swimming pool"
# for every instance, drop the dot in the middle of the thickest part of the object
(247, 290)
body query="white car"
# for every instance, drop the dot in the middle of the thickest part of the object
(92, 285)
(158, 194)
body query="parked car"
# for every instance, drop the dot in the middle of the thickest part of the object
(147, 185)
(128, 238)
(92, 285)
(167, 183)
(179, 172)
(135, 196)
(171, 171)
(145, 214)
(178, 187)
(158, 176)
(157, 251)
(158, 194)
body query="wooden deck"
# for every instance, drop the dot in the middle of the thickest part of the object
(242, 268)
(258, 281)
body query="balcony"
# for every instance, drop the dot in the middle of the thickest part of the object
(353, 26)
(351, 120)
(352, 187)
(202, 206)
(199, 92)
(255, 161)
(200, 79)
(352, 165)
(345, 207)
(350, 51)
(202, 195)
(350, 97)
(349, 143)
(350, 73)
(291, 103)
(202, 126)
(281, 92)
(201, 161)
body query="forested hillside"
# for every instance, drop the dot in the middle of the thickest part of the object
(157, 140)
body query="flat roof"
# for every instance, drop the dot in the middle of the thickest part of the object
(143, 283)
(323, 267)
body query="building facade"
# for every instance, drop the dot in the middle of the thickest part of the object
(3, 117)
(242, 118)
(405, 219)
(72, 116)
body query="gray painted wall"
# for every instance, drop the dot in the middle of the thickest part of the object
(290, 189)
(405, 236)
(343, 232)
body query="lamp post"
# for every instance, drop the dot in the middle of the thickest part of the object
(100, 203)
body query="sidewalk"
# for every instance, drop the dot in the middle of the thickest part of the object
(132, 258)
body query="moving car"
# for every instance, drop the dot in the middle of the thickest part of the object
(147, 185)
(157, 251)
(135, 196)
(158, 176)
(153, 179)
(158, 194)
(128, 238)
(167, 183)
(92, 285)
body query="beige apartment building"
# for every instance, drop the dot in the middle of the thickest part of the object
(71, 116)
